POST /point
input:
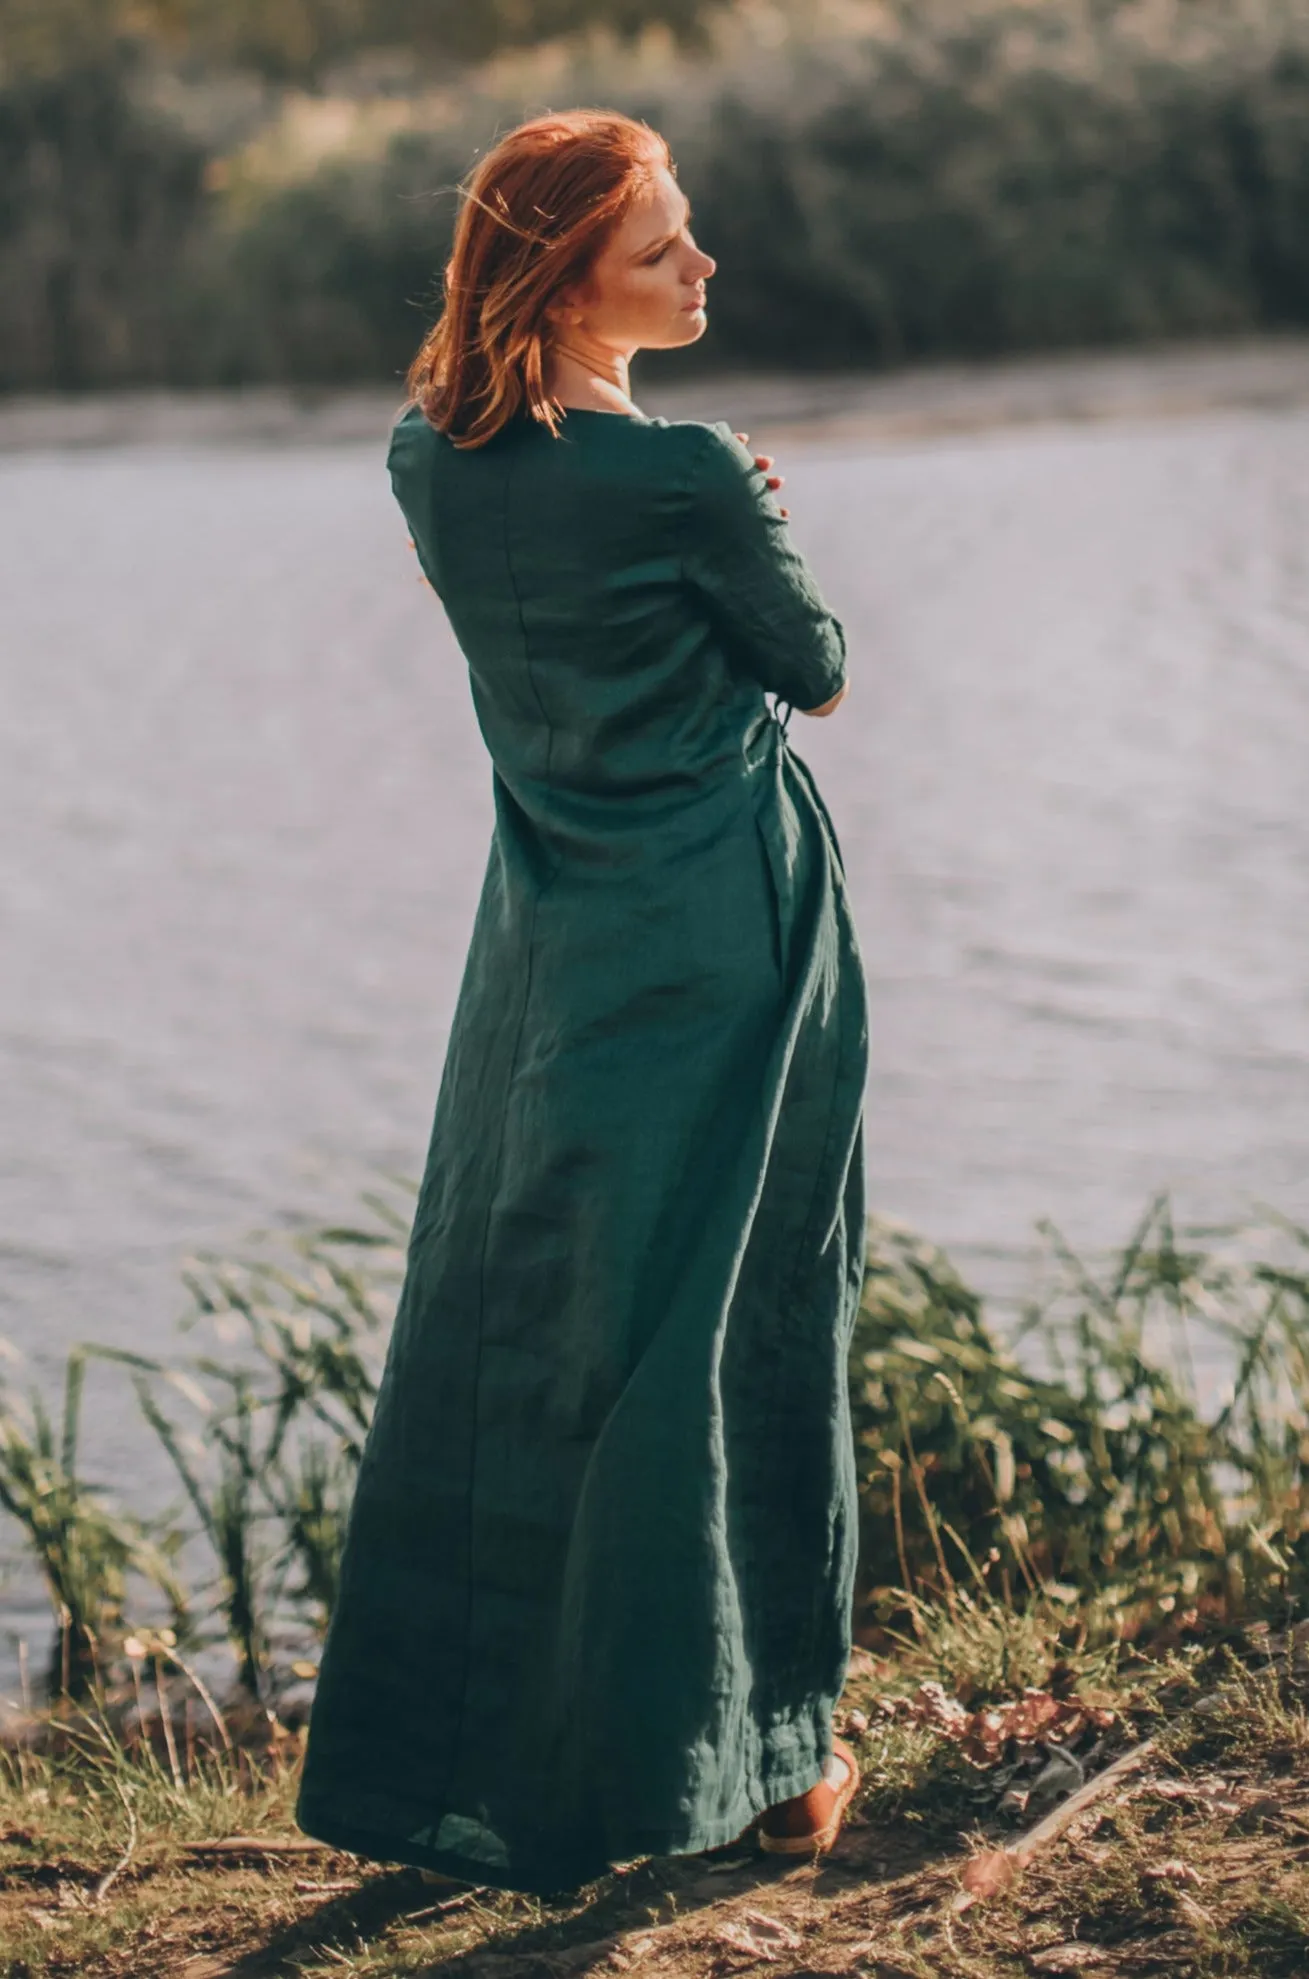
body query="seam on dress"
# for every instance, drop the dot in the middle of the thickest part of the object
(522, 630)
(696, 462)
(456, 1743)
(838, 1078)
(805, 1245)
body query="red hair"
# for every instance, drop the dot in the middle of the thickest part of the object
(536, 211)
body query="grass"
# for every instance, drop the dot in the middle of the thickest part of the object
(1198, 1866)
(1064, 1554)
(1102, 1483)
(1064, 1491)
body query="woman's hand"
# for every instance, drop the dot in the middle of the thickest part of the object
(765, 461)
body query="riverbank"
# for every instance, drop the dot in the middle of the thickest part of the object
(1185, 1851)
(1269, 374)
(1079, 1691)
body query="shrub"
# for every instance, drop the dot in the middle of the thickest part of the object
(986, 179)
(99, 201)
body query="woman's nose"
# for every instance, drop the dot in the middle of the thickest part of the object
(705, 265)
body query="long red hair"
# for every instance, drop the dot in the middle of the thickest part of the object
(535, 213)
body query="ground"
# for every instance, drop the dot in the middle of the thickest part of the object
(1194, 1864)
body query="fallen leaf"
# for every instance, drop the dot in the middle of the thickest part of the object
(1173, 1872)
(772, 1928)
(758, 1935)
(932, 1705)
(989, 1873)
(1036, 1717)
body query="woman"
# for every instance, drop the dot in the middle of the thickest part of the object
(595, 1595)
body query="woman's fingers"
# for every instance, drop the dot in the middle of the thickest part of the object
(763, 462)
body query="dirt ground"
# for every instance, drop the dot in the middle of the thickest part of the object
(1194, 1864)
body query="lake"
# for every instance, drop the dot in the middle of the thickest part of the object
(244, 811)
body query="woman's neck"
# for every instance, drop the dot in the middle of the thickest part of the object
(589, 376)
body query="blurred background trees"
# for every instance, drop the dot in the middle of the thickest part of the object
(226, 191)
(299, 40)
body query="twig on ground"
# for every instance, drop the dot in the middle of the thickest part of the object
(259, 1845)
(107, 1881)
(994, 1870)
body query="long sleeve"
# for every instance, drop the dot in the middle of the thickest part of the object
(757, 586)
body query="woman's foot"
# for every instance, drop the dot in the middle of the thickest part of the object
(809, 1823)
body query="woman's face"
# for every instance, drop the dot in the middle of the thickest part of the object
(646, 289)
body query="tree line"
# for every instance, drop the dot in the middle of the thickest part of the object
(298, 40)
(989, 178)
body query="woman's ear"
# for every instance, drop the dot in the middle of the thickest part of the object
(562, 313)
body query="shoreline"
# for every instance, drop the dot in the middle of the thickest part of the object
(1268, 374)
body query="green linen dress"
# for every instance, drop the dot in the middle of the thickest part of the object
(595, 1599)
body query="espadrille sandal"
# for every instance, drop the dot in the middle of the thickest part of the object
(810, 1823)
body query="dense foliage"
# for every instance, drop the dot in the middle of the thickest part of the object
(985, 177)
(99, 203)
(298, 40)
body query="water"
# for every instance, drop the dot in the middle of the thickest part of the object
(244, 812)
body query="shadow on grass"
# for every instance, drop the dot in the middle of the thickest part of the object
(571, 1935)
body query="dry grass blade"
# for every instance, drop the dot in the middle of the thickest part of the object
(107, 1882)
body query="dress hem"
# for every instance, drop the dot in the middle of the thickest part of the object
(318, 1820)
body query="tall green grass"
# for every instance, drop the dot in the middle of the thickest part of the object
(263, 1425)
(87, 1550)
(1074, 1466)
(1065, 1483)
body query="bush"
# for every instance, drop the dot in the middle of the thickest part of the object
(98, 204)
(988, 179)
(328, 279)
(982, 177)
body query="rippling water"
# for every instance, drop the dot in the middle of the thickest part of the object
(244, 811)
